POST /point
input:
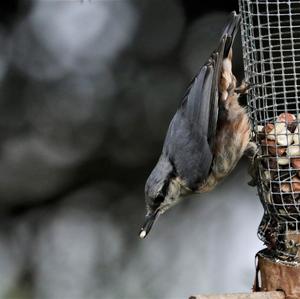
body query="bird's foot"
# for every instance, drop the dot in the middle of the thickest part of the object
(243, 88)
(251, 151)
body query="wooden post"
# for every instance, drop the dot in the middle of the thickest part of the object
(278, 275)
(257, 295)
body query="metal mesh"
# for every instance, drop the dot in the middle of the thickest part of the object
(271, 51)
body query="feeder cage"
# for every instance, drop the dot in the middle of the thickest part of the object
(271, 51)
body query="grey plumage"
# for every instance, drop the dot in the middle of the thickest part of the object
(188, 149)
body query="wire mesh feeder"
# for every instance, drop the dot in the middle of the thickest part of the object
(271, 46)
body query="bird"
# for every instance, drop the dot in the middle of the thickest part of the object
(207, 136)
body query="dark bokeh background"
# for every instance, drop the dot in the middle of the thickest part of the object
(87, 89)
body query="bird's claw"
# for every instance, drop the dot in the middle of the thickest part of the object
(243, 88)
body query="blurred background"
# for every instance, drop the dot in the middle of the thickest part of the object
(87, 89)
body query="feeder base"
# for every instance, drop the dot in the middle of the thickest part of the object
(277, 275)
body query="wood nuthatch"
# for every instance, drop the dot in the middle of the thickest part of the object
(206, 137)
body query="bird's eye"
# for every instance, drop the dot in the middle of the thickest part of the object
(162, 194)
(159, 198)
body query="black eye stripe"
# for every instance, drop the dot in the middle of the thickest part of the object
(161, 195)
(164, 189)
(159, 199)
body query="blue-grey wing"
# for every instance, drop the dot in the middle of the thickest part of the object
(190, 138)
(189, 141)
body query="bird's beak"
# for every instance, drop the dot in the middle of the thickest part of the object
(149, 221)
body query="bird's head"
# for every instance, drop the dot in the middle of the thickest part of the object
(163, 190)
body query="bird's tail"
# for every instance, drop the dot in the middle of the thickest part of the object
(230, 31)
